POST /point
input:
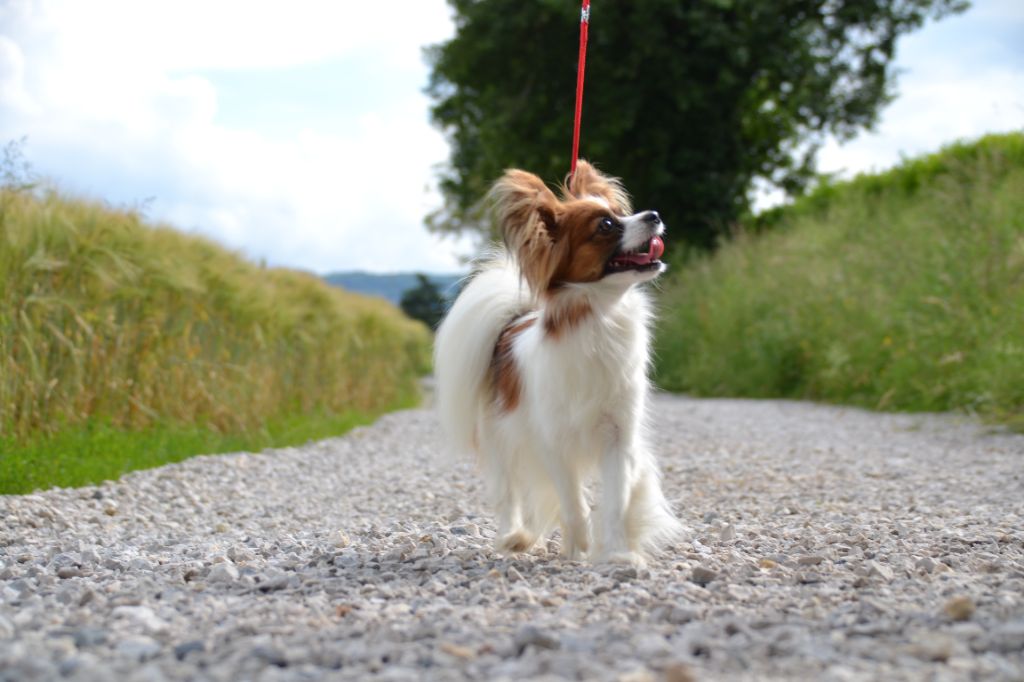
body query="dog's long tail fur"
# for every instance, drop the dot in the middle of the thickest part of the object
(492, 298)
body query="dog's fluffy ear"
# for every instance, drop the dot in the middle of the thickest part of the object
(528, 213)
(588, 182)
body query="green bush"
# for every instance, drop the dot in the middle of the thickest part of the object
(901, 291)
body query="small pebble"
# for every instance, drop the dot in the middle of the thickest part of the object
(702, 575)
(181, 651)
(879, 570)
(138, 648)
(677, 672)
(457, 651)
(223, 572)
(530, 635)
(90, 636)
(959, 608)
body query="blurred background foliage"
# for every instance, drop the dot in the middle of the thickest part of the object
(901, 290)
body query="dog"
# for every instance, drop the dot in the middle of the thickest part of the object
(541, 367)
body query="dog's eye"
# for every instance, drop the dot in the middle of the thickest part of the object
(606, 225)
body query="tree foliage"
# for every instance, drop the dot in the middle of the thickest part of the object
(424, 302)
(689, 101)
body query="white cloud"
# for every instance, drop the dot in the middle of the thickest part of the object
(12, 77)
(117, 101)
(956, 81)
(229, 34)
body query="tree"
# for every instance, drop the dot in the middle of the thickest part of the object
(688, 101)
(424, 302)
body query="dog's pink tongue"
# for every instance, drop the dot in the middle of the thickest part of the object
(657, 248)
(654, 252)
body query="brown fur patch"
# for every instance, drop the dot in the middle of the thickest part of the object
(526, 211)
(583, 250)
(504, 373)
(564, 317)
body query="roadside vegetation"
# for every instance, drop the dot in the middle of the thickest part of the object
(127, 345)
(902, 290)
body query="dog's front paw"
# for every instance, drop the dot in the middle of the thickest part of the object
(516, 542)
(575, 546)
(623, 558)
(573, 552)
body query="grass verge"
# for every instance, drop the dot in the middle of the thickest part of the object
(98, 451)
(897, 291)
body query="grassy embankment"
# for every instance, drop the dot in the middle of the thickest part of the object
(897, 291)
(125, 346)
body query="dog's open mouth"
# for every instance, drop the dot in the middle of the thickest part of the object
(643, 257)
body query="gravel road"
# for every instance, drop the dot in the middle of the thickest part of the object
(825, 544)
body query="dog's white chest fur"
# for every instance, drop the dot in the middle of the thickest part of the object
(592, 376)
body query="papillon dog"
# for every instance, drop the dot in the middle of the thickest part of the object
(541, 368)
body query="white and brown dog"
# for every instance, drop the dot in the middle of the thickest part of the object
(542, 365)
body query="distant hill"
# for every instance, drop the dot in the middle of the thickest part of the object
(390, 286)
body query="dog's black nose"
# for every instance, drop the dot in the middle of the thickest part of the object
(652, 217)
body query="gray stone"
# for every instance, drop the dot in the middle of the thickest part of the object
(181, 651)
(1007, 638)
(223, 572)
(270, 654)
(6, 628)
(90, 636)
(878, 570)
(530, 635)
(142, 616)
(703, 575)
(138, 648)
(624, 574)
(679, 615)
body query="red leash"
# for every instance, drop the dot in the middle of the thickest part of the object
(584, 25)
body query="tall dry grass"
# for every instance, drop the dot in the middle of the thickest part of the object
(104, 317)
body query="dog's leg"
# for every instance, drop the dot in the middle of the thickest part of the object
(617, 474)
(512, 537)
(572, 513)
(619, 470)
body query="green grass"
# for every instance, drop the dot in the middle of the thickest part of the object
(135, 343)
(98, 451)
(898, 291)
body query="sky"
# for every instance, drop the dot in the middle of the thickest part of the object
(299, 133)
